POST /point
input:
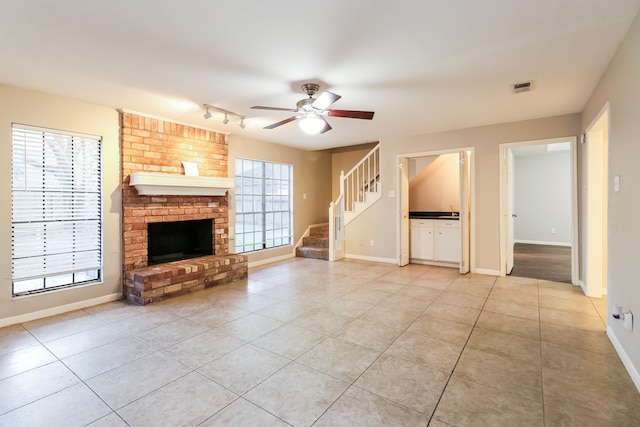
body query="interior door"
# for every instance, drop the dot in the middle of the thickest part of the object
(404, 211)
(465, 202)
(511, 215)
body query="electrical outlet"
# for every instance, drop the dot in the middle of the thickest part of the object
(553, 231)
(372, 243)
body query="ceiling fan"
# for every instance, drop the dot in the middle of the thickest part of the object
(312, 111)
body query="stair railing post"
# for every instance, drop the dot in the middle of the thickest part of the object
(332, 231)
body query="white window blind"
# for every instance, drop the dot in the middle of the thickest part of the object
(56, 209)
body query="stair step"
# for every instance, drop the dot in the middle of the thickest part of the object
(311, 252)
(319, 231)
(316, 242)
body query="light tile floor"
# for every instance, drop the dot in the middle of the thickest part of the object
(307, 342)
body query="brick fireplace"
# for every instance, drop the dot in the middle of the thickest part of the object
(154, 145)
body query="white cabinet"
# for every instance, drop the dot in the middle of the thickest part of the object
(422, 239)
(447, 241)
(435, 240)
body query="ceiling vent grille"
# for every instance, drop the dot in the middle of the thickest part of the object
(522, 87)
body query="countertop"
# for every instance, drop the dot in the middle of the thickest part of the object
(434, 215)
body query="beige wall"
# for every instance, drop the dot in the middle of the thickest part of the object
(436, 187)
(620, 87)
(49, 111)
(380, 222)
(311, 176)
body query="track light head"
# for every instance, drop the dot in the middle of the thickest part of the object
(207, 115)
(226, 119)
(241, 124)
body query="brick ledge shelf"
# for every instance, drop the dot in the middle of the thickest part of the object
(155, 283)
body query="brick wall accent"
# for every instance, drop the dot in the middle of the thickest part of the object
(154, 145)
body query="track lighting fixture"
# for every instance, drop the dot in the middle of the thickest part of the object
(226, 113)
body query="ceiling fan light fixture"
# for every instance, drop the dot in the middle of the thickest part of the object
(311, 124)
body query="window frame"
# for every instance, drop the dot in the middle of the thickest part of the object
(274, 225)
(69, 202)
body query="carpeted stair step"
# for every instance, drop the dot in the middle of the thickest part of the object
(317, 244)
(311, 252)
(321, 231)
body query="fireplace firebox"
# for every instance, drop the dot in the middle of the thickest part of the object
(178, 240)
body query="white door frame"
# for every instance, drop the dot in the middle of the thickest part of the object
(504, 200)
(403, 232)
(595, 248)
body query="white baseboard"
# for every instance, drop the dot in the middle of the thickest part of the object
(539, 242)
(372, 258)
(583, 286)
(27, 317)
(486, 271)
(626, 361)
(270, 260)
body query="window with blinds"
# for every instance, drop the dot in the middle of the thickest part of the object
(56, 210)
(263, 205)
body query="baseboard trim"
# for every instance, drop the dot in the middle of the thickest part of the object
(486, 271)
(539, 242)
(271, 260)
(626, 361)
(372, 258)
(583, 286)
(27, 317)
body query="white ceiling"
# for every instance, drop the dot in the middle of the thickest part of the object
(422, 66)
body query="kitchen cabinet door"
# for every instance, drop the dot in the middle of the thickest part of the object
(422, 240)
(447, 244)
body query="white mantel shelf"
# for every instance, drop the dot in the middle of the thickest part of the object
(163, 184)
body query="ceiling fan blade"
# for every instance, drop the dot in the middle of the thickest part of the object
(324, 100)
(327, 126)
(260, 107)
(351, 114)
(280, 123)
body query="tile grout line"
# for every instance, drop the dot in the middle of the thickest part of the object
(353, 383)
(541, 355)
(462, 351)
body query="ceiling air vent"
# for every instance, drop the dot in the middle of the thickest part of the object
(522, 87)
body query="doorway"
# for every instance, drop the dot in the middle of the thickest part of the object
(595, 199)
(538, 209)
(466, 211)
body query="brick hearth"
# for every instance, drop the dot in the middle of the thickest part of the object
(153, 145)
(145, 285)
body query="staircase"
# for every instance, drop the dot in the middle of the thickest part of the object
(360, 188)
(316, 244)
